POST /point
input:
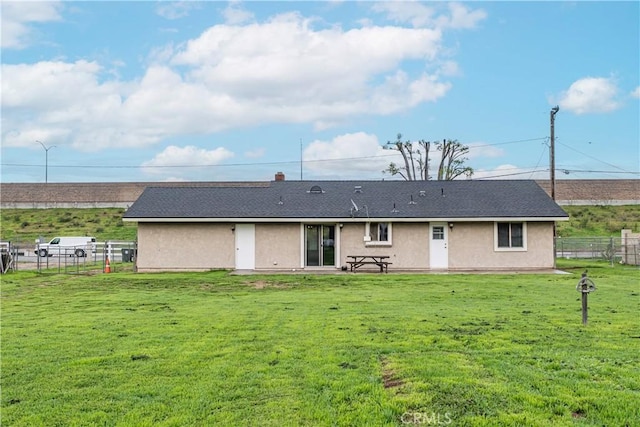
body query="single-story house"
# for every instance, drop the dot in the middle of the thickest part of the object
(320, 225)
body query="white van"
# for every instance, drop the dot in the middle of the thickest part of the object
(70, 246)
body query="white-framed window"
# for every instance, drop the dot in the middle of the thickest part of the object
(378, 233)
(510, 236)
(437, 232)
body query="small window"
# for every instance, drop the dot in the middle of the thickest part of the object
(510, 236)
(378, 233)
(55, 241)
(438, 232)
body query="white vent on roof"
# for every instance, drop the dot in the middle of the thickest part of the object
(422, 193)
(357, 189)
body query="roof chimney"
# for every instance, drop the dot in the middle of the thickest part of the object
(279, 176)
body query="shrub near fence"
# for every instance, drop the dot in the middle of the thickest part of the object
(614, 249)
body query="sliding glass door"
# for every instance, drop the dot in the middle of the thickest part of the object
(320, 245)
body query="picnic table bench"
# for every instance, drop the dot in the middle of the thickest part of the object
(357, 261)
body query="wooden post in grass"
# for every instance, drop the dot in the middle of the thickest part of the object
(585, 286)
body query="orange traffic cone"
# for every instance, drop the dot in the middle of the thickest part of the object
(107, 266)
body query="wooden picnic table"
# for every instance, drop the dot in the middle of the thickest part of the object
(357, 261)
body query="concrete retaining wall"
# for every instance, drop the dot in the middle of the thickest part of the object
(89, 195)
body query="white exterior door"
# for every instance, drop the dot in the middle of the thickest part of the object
(245, 246)
(438, 246)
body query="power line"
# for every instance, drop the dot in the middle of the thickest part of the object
(509, 174)
(509, 142)
(597, 171)
(539, 160)
(529, 170)
(562, 169)
(594, 158)
(286, 162)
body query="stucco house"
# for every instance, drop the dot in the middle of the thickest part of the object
(318, 225)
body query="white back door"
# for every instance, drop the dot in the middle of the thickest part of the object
(438, 246)
(245, 246)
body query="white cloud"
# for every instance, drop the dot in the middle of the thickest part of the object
(420, 15)
(176, 10)
(279, 71)
(479, 149)
(234, 13)
(347, 155)
(63, 103)
(413, 12)
(319, 76)
(186, 159)
(636, 92)
(46, 84)
(462, 17)
(17, 19)
(590, 95)
(450, 69)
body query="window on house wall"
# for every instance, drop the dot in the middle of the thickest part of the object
(510, 236)
(379, 233)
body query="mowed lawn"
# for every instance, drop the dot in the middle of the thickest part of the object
(200, 349)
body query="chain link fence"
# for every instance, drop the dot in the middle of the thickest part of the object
(80, 259)
(613, 249)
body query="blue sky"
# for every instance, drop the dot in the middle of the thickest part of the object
(199, 91)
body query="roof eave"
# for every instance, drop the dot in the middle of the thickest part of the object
(347, 220)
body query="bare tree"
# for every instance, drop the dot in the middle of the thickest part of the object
(452, 160)
(406, 149)
(416, 159)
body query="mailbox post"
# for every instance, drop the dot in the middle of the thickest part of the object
(585, 286)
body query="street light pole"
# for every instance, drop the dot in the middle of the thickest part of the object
(46, 160)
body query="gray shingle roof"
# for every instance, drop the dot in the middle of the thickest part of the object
(374, 199)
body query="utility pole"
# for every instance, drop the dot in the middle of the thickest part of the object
(300, 159)
(552, 153)
(46, 160)
(552, 167)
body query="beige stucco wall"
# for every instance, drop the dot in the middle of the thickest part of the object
(193, 247)
(409, 248)
(471, 247)
(278, 246)
(166, 246)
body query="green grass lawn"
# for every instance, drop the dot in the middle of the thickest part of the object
(367, 349)
(599, 221)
